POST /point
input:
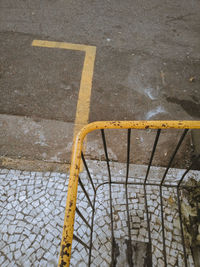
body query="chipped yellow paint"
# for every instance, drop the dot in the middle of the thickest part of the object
(83, 104)
(66, 243)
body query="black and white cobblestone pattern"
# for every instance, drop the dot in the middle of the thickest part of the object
(32, 208)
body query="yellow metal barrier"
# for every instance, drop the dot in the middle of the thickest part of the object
(67, 236)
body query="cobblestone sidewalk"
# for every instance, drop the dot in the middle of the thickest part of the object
(32, 211)
(32, 208)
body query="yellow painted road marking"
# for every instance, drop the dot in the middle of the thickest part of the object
(83, 104)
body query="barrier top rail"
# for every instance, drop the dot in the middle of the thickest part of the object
(67, 236)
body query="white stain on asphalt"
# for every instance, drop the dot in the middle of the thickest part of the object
(154, 112)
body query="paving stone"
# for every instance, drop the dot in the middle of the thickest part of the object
(19, 230)
(36, 245)
(29, 252)
(11, 229)
(169, 236)
(2, 244)
(52, 222)
(172, 260)
(5, 264)
(26, 243)
(40, 253)
(98, 260)
(12, 246)
(43, 232)
(45, 244)
(2, 259)
(158, 253)
(22, 198)
(4, 248)
(5, 237)
(17, 254)
(49, 237)
(49, 224)
(38, 238)
(19, 216)
(32, 237)
(35, 204)
(9, 206)
(161, 263)
(135, 219)
(43, 263)
(3, 228)
(48, 256)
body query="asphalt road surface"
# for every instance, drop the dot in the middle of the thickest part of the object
(146, 67)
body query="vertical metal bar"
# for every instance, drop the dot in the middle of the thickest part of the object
(128, 154)
(181, 225)
(93, 211)
(163, 227)
(75, 237)
(188, 169)
(174, 154)
(148, 220)
(88, 172)
(130, 253)
(110, 195)
(90, 250)
(83, 218)
(152, 154)
(162, 181)
(149, 253)
(85, 192)
(179, 207)
(145, 195)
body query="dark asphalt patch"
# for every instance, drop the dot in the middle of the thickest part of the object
(38, 82)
